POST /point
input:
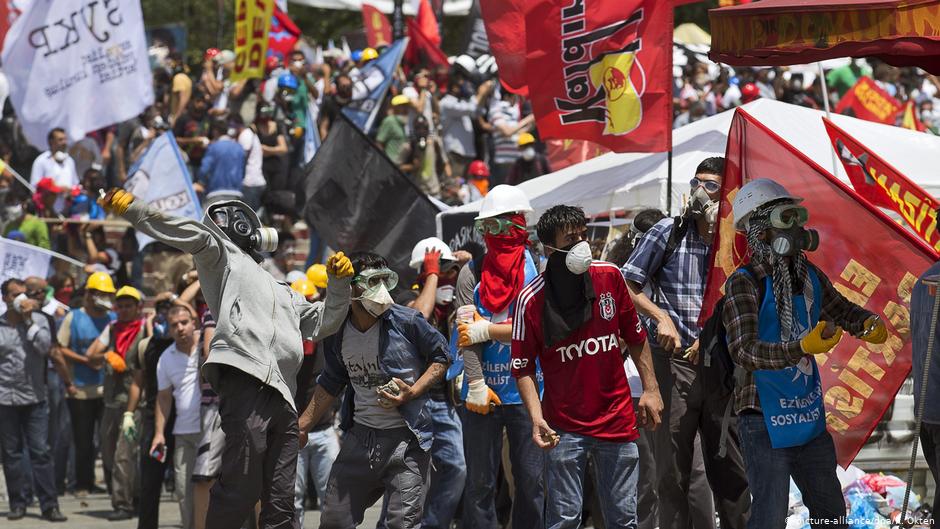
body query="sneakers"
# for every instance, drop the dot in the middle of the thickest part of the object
(120, 515)
(16, 513)
(53, 515)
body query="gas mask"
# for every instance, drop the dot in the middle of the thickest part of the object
(103, 302)
(376, 284)
(444, 295)
(788, 236)
(60, 156)
(703, 207)
(528, 154)
(243, 227)
(578, 257)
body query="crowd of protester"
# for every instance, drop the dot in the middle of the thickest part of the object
(120, 341)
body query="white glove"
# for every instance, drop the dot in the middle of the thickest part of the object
(473, 333)
(129, 426)
(480, 397)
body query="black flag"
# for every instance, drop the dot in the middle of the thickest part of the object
(358, 200)
(476, 42)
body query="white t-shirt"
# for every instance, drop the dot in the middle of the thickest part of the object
(64, 174)
(361, 356)
(633, 378)
(181, 372)
(252, 145)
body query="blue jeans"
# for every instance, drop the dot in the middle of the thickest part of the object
(31, 422)
(483, 445)
(616, 471)
(317, 457)
(812, 466)
(448, 468)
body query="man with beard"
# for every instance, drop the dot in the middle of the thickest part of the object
(581, 309)
(255, 352)
(672, 260)
(779, 311)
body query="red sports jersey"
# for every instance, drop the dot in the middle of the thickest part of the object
(586, 389)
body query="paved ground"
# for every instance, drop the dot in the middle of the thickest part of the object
(90, 512)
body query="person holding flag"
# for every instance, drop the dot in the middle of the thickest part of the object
(779, 311)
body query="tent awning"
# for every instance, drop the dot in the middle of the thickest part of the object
(784, 32)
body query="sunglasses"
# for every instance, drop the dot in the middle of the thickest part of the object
(495, 226)
(710, 185)
(788, 216)
(374, 278)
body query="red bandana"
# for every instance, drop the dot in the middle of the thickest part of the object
(503, 274)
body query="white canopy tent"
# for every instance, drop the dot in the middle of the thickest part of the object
(614, 182)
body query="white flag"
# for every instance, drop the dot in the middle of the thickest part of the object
(20, 260)
(77, 64)
(162, 179)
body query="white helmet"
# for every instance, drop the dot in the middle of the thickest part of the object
(431, 243)
(504, 199)
(755, 194)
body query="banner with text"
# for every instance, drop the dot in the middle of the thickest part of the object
(252, 23)
(78, 65)
(20, 260)
(373, 83)
(866, 100)
(378, 28)
(871, 260)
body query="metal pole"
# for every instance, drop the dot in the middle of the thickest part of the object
(825, 90)
(19, 178)
(398, 20)
(669, 182)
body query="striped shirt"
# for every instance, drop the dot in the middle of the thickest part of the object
(505, 114)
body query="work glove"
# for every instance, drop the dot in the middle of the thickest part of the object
(339, 266)
(814, 343)
(129, 426)
(473, 333)
(116, 201)
(480, 397)
(115, 361)
(432, 263)
(875, 331)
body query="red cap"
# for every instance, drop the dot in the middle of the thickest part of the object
(47, 184)
(272, 63)
(211, 53)
(749, 92)
(478, 168)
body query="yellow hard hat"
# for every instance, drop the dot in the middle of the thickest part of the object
(400, 99)
(101, 282)
(369, 54)
(317, 274)
(128, 291)
(304, 287)
(526, 138)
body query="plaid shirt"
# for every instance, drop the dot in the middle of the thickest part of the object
(677, 285)
(740, 315)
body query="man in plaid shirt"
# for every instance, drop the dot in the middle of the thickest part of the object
(694, 402)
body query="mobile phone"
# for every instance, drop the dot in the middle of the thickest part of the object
(159, 454)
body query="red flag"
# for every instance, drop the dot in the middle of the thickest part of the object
(910, 119)
(8, 14)
(562, 153)
(602, 72)
(283, 35)
(428, 23)
(378, 28)
(866, 100)
(420, 48)
(871, 260)
(880, 183)
(505, 30)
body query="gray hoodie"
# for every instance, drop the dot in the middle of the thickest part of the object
(260, 322)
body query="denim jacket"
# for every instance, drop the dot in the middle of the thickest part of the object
(408, 344)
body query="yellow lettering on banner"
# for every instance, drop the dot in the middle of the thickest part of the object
(838, 398)
(252, 23)
(787, 29)
(861, 278)
(821, 359)
(852, 295)
(906, 287)
(889, 350)
(860, 386)
(836, 424)
(860, 361)
(924, 21)
(900, 318)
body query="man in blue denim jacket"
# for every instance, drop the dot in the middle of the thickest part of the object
(386, 357)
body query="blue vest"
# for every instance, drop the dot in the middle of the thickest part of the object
(497, 356)
(791, 398)
(82, 332)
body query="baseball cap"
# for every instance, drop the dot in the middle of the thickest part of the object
(47, 184)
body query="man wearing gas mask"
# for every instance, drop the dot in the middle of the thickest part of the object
(572, 319)
(779, 311)
(255, 352)
(386, 357)
(671, 260)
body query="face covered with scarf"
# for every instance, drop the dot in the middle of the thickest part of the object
(563, 231)
(503, 274)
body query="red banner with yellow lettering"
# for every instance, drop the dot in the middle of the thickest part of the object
(378, 28)
(866, 100)
(601, 71)
(880, 183)
(564, 153)
(252, 23)
(869, 258)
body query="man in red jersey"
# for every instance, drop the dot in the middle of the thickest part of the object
(573, 319)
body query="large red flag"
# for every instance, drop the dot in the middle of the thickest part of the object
(421, 50)
(378, 29)
(505, 30)
(870, 259)
(602, 71)
(866, 100)
(880, 183)
(563, 153)
(283, 35)
(428, 23)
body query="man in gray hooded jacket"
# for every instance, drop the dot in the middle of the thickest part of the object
(256, 350)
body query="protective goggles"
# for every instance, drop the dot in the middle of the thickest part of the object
(373, 278)
(495, 226)
(788, 216)
(710, 185)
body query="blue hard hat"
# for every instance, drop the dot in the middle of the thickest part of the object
(356, 55)
(287, 81)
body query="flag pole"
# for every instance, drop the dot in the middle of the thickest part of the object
(825, 93)
(669, 182)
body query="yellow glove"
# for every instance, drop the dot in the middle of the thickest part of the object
(815, 343)
(480, 398)
(116, 362)
(116, 201)
(339, 266)
(875, 331)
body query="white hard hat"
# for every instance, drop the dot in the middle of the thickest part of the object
(431, 243)
(504, 199)
(467, 63)
(755, 194)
